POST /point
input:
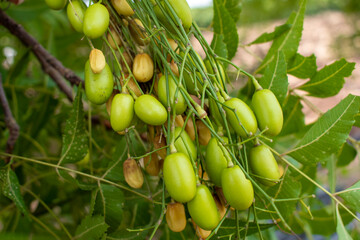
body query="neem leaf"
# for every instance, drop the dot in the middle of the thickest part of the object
(328, 134)
(267, 37)
(288, 42)
(75, 139)
(225, 25)
(219, 45)
(329, 81)
(352, 196)
(302, 67)
(340, 228)
(294, 118)
(275, 77)
(346, 155)
(10, 187)
(234, 8)
(91, 228)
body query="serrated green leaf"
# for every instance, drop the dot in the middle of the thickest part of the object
(329, 81)
(267, 37)
(109, 203)
(340, 228)
(346, 155)
(275, 77)
(302, 67)
(91, 228)
(219, 46)
(234, 8)
(10, 187)
(294, 118)
(352, 196)
(229, 227)
(224, 24)
(328, 134)
(75, 139)
(288, 42)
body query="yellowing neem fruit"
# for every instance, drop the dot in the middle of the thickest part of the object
(264, 165)
(97, 60)
(184, 144)
(175, 217)
(132, 85)
(132, 173)
(150, 110)
(96, 21)
(179, 103)
(98, 87)
(56, 4)
(268, 111)
(203, 210)
(245, 115)
(189, 128)
(114, 39)
(201, 233)
(122, 7)
(138, 32)
(203, 133)
(143, 67)
(179, 177)
(75, 12)
(122, 112)
(238, 190)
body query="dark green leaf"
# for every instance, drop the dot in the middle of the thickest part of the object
(302, 67)
(219, 46)
(346, 155)
(328, 134)
(123, 234)
(352, 196)
(91, 228)
(75, 139)
(357, 120)
(224, 25)
(267, 37)
(10, 187)
(288, 42)
(109, 203)
(340, 228)
(275, 77)
(294, 118)
(328, 81)
(234, 8)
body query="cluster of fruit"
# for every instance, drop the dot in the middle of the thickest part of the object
(184, 105)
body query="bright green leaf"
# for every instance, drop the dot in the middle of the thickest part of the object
(346, 155)
(10, 187)
(91, 228)
(328, 81)
(75, 139)
(109, 203)
(288, 42)
(224, 25)
(302, 67)
(352, 196)
(219, 46)
(234, 8)
(294, 118)
(340, 228)
(328, 134)
(275, 77)
(267, 37)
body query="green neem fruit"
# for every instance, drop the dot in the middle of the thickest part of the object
(264, 165)
(238, 190)
(216, 160)
(203, 210)
(180, 103)
(184, 144)
(215, 112)
(56, 4)
(179, 177)
(189, 77)
(245, 115)
(122, 111)
(96, 20)
(75, 12)
(219, 73)
(150, 110)
(268, 111)
(98, 86)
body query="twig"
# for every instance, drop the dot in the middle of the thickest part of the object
(10, 122)
(49, 63)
